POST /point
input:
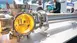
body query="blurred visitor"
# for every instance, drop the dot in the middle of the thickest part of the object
(39, 8)
(68, 10)
(30, 10)
(57, 7)
(72, 10)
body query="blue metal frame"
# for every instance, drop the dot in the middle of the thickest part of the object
(6, 1)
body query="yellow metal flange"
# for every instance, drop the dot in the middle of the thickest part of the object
(24, 23)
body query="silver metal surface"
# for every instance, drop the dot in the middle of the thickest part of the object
(39, 35)
(61, 16)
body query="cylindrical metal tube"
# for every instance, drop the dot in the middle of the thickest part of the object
(61, 16)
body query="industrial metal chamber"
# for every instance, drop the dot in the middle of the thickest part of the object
(42, 20)
(38, 26)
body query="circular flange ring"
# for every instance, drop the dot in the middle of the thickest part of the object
(23, 23)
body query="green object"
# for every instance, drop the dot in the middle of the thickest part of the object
(23, 10)
(50, 7)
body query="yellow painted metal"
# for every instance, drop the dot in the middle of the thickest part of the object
(24, 23)
(0, 27)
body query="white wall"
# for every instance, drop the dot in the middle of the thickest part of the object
(75, 5)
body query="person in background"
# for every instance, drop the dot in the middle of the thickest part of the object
(30, 10)
(57, 7)
(39, 8)
(40, 5)
(72, 10)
